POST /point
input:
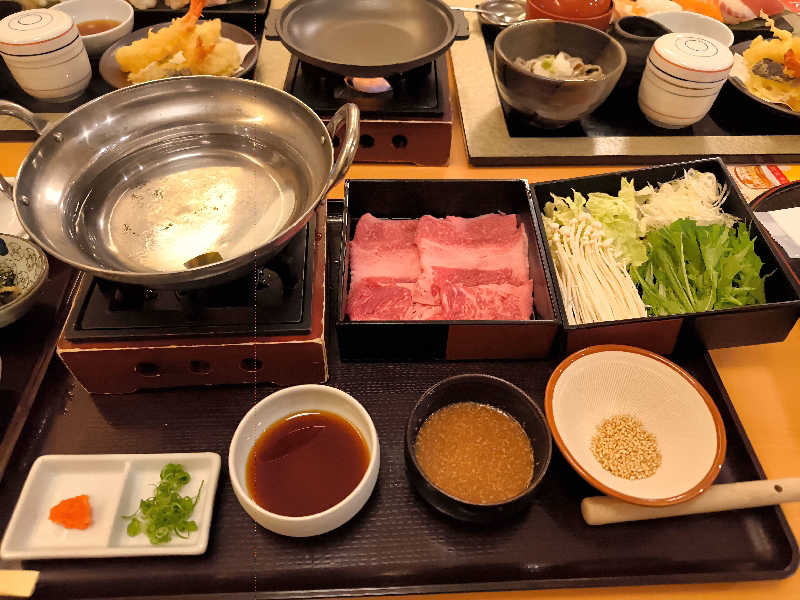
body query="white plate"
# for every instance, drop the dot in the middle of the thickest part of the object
(115, 483)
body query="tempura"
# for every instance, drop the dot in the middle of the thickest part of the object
(183, 48)
(784, 50)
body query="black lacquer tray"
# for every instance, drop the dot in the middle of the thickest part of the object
(396, 544)
(737, 128)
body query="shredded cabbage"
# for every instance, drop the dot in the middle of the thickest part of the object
(618, 215)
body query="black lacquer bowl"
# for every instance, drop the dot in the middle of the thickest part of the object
(500, 394)
(555, 102)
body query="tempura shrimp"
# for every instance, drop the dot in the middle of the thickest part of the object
(160, 44)
(206, 52)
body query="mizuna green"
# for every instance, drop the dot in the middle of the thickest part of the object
(695, 268)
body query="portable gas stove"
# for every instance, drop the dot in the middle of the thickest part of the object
(411, 122)
(268, 327)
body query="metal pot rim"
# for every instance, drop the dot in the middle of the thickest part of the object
(197, 276)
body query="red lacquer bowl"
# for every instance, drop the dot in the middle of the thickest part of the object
(600, 21)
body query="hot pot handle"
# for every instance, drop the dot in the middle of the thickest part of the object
(349, 115)
(23, 114)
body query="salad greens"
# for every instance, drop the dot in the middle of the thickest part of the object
(660, 250)
(694, 268)
(166, 512)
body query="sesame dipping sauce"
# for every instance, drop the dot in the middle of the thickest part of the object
(474, 452)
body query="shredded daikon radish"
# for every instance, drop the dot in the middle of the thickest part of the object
(695, 196)
(593, 280)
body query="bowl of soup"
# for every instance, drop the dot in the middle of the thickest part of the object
(477, 448)
(99, 22)
(304, 460)
(556, 72)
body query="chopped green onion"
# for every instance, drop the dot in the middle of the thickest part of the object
(166, 512)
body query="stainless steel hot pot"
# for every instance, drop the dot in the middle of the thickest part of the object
(141, 185)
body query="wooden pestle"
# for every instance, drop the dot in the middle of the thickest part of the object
(602, 510)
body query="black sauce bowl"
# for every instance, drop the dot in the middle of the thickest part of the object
(483, 389)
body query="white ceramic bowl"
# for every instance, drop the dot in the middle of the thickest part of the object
(91, 10)
(601, 382)
(281, 404)
(688, 22)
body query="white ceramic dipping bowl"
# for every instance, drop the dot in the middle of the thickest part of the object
(277, 406)
(92, 10)
(683, 21)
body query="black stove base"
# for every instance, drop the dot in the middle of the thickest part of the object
(417, 93)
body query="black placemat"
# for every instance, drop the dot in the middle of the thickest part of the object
(733, 114)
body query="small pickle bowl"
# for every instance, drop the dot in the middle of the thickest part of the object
(281, 404)
(82, 11)
(660, 425)
(30, 267)
(497, 393)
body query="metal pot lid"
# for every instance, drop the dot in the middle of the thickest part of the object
(503, 12)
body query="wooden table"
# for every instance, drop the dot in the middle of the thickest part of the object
(763, 383)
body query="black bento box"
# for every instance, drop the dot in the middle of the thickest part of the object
(450, 340)
(755, 324)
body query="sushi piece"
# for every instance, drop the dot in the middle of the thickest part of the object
(739, 11)
(709, 8)
(641, 8)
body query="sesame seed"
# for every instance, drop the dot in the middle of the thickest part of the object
(625, 448)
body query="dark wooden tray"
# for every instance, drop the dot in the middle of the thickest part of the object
(396, 544)
(26, 347)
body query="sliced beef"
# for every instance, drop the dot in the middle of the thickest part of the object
(386, 233)
(458, 231)
(428, 288)
(424, 312)
(460, 252)
(452, 268)
(384, 249)
(489, 302)
(375, 300)
(371, 300)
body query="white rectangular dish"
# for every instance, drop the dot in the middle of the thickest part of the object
(115, 483)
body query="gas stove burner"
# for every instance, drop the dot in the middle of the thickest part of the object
(420, 92)
(368, 85)
(278, 295)
(405, 117)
